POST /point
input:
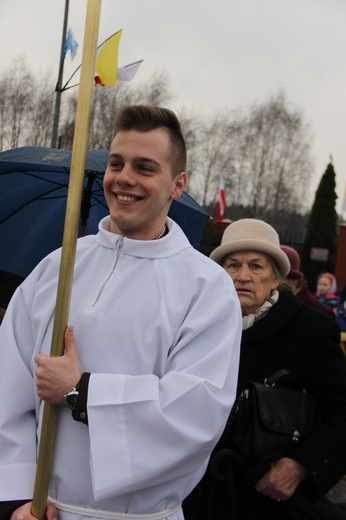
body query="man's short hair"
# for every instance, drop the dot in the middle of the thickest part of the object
(144, 118)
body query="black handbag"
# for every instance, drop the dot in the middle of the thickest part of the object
(270, 419)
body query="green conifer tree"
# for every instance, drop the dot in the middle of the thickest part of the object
(321, 228)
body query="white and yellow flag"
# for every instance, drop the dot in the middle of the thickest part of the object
(107, 61)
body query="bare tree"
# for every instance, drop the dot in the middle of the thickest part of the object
(16, 87)
(264, 157)
(191, 127)
(40, 125)
(209, 143)
(4, 92)
(276, 152)
(67, 120)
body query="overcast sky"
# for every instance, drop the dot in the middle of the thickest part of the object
(218, 54)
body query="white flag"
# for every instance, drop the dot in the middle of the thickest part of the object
(129, 71)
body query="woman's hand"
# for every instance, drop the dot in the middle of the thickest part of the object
(282, 480)
(24, 512)
(57, 375)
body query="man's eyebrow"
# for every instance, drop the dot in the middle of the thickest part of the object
(115, 156)
(135, 159)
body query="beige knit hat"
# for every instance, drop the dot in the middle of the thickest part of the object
(250, 234)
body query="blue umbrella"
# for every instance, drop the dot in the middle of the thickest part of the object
(33, 192)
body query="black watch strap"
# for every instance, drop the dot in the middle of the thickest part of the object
(71, 397)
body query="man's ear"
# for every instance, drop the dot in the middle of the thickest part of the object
(180, 181)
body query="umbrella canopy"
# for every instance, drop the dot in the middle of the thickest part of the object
(33, 192)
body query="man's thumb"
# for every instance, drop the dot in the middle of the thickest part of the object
(69, 338)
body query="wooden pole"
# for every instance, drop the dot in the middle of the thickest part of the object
(74, 198)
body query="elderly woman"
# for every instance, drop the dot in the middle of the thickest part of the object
(279, 332)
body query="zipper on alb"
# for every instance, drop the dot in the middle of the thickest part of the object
(118, 253)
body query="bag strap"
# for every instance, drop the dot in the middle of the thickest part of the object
(281, 375)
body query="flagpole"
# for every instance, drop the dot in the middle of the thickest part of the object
(74, 198)
(58, 88)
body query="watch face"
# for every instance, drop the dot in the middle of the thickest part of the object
(71, 399)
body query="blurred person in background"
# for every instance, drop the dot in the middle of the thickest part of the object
(296, 281)
(327, 290)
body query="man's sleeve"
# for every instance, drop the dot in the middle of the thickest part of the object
(7, 508)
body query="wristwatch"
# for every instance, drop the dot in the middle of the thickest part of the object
(71, 397)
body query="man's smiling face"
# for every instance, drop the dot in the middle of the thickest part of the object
(138, 183)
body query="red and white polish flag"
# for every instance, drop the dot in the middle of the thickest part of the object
(221, 205)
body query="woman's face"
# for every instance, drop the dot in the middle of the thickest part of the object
(253, 276)
(323, 285)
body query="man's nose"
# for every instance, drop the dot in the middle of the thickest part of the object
(125, 176)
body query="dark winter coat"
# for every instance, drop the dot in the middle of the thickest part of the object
(296, 337)
(341, 310)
